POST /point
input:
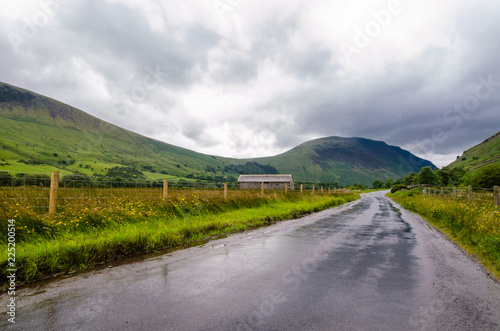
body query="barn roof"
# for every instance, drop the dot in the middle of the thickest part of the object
(264, 178)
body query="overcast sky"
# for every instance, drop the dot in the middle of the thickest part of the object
(245, 78)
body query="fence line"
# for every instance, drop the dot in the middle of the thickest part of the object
(44, 194)
(469, 194)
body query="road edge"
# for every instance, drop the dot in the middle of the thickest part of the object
(471, 256)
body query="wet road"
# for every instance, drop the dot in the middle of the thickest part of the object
(368, 265)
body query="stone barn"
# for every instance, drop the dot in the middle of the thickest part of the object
(272, 182)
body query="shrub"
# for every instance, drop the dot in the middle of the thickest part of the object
(398, 187)
(76, 180)
(5, 178)
(486, 177)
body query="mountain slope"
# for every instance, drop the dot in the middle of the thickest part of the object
(485, 153)
(39, 134)
(44, 134)
(345, 161)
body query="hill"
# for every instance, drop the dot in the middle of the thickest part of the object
(40, 134)
(345, 160)
(483, 154)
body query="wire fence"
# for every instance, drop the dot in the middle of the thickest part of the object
(44, 193)
(486, 196)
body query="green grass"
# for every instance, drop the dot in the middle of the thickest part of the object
(475, 227)
(485, 153)
(15, 167)
(82, 237)
(100, 150)
(38, 127)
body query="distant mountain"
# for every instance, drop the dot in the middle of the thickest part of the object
(345, 160)
(39, 134)
(485, 153)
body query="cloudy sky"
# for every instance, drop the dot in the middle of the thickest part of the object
(245, 78)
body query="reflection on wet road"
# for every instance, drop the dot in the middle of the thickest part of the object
(367, 266)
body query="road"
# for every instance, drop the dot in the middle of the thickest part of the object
(368, 265)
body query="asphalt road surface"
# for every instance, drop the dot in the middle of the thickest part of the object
(368, 265)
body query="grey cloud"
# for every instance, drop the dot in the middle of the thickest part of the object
(403, 103)
(237, 69)
(272, 45)
(308, 64)
(120, 32)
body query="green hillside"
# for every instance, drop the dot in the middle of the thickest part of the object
(39, 134)
(486, 153)
(345, 161)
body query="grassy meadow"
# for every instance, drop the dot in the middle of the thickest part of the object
(91, 229)
(475, 226)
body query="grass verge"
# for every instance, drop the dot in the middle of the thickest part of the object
(475, 227)
(72, 242)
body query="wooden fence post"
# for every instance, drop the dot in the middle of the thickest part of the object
(496, 195)
(329, 190)
(165, 189)
(286, 189)
(321, 189)
(225, 191)
(313, 190)
(454, 193)
(54, 185)
(262, 188)
(301, 188)
(442, 193)
(470, 194)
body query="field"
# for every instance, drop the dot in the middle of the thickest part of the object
(475, 226)
(93, 226)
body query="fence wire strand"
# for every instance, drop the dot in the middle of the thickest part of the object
(33, 191)
(486, 196)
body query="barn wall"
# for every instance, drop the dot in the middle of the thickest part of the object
(267, 185)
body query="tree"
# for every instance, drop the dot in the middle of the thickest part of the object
(398, 187)
(358, 186)
(124, 172)
(33, 179)
(76, 180)
(377, 184)
(442, 177)
(457, 174)
(486, 177)
(6, 179)
(410, 179)
(427, 176)
(388, 183)
(210, 168)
